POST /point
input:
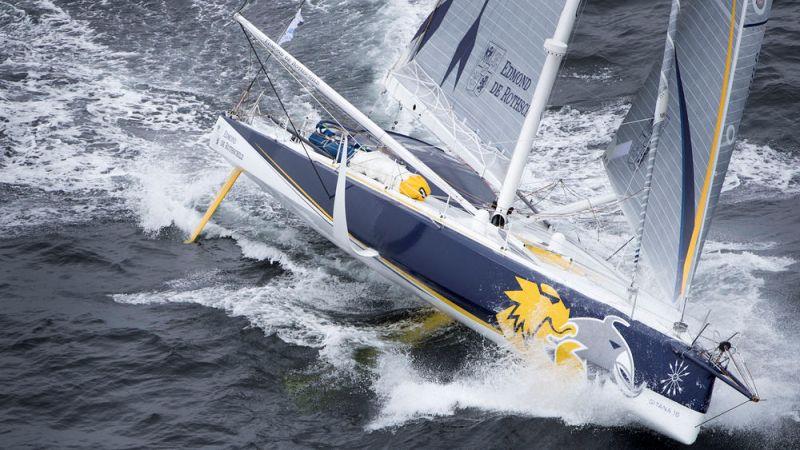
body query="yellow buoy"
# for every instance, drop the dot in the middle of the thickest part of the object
(416, 187)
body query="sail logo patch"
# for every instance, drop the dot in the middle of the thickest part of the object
(506, 94)
(482, 74)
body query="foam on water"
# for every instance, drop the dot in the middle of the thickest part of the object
(78, 122)
(498, 382)
(143, 151)
(292, 307)
(763, 171)
(603, 74)
(730, 284)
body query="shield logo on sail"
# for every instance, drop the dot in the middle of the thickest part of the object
(486, 67)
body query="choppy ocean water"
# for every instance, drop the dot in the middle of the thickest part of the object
(115, 334)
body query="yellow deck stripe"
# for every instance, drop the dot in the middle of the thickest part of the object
(410, 278)
(296, 185)
(701, 213)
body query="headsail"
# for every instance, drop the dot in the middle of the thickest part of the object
(470, 73)
(717, 47)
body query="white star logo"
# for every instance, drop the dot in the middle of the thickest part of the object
(673, 383)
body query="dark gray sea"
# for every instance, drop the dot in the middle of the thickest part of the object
(115, 334)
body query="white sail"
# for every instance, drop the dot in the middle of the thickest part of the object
(716, 51)
(470, 73)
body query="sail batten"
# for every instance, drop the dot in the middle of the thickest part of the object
(716, 50)
(470, 73)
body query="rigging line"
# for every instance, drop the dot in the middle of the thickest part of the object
(752, 380)
(246, 92)
(620, 249)
(283, 107)
(266, 60)
(596, 219)
(311, 94)
(723, 413)
(683, 310)
(322, 105)
(564, 189)
(637, 170)
(646, 119)
(595, 210)
(551, 187)
(747, 377)
(540, 189)
(701, 331)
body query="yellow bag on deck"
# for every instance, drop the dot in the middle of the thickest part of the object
(416, 187)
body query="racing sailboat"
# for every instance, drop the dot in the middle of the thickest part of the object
(439, 220)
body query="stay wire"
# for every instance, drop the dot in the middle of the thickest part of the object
(283, 107)
(620, 249)
(246, 92)
(723, 413)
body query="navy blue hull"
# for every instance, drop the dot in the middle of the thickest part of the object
(477, 279)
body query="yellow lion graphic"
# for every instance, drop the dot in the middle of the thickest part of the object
(537, 312)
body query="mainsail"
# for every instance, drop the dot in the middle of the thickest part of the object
(716, 51)
(470, 73)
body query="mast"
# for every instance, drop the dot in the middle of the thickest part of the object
(556, 48)
(659, 117)
(289, 62)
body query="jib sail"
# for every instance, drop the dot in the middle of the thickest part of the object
(716, 51)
